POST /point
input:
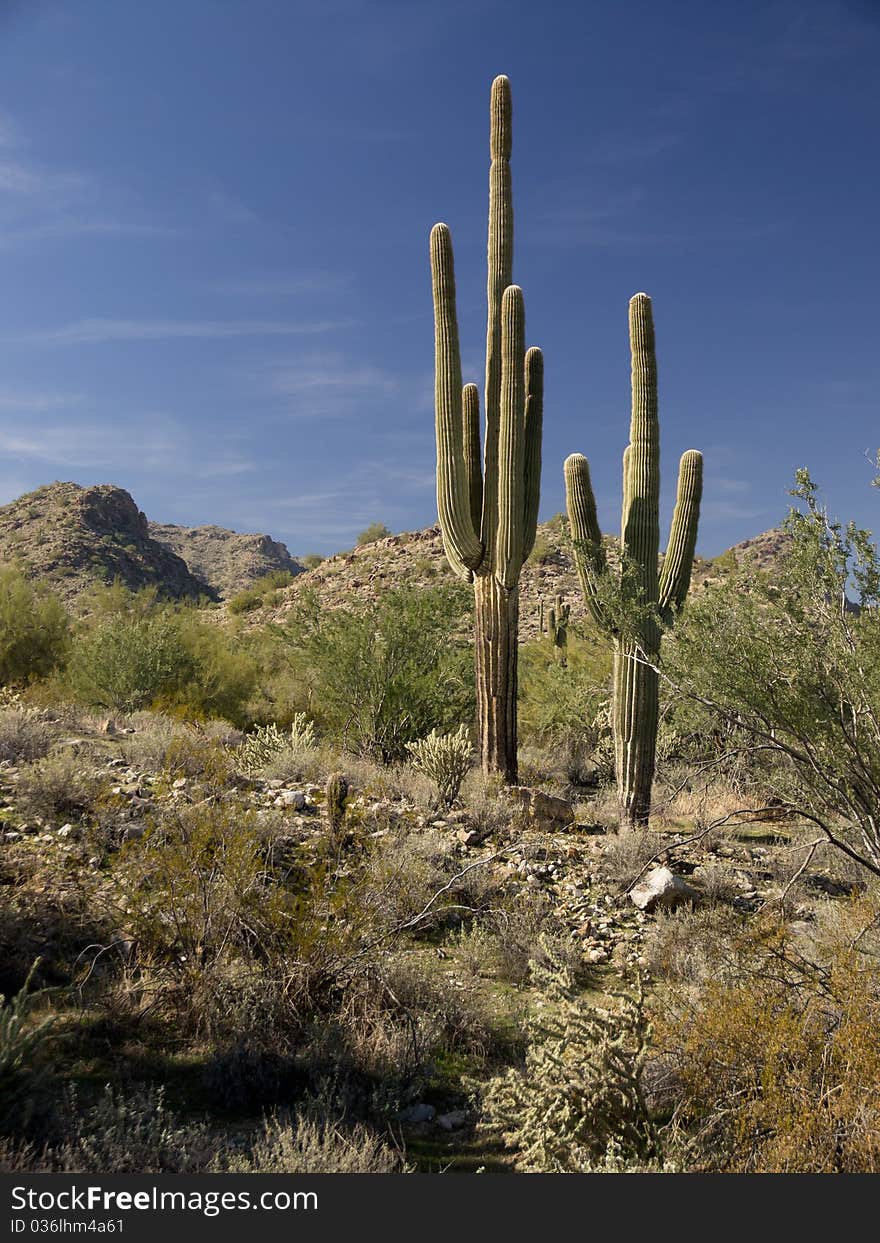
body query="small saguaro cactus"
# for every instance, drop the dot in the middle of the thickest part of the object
(488, 512)
(336, 792)
(558, 617)
(656, 596)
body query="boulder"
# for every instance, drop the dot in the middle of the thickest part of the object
(661, 887)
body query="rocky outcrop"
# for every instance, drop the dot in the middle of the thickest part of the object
(74, 537)
(227, 561)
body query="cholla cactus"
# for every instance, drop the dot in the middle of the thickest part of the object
(488, 511)
(558, 617)
(302, 733)
(654, 597)
(579, 1099)
(268, 741)
(445, 758)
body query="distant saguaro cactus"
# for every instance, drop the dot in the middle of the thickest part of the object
(558, 617)
(636, 682)
(488, 513)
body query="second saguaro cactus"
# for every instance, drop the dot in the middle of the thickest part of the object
(488, 511)
(655, 596)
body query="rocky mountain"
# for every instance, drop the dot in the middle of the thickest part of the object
(226, 561)
(73, 537)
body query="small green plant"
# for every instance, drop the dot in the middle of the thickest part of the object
(445, 758)
(375, 531)
(311, 561)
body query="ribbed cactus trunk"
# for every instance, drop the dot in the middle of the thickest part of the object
(489, 510)
(496, 627)
(655, 598)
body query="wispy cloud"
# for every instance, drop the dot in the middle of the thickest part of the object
(100, 331)
(326, 385)
(35, 402)
(40, 202)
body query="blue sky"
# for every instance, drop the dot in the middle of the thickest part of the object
(214, 284)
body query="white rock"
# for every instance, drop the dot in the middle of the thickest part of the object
(661, 887)
(291, 798)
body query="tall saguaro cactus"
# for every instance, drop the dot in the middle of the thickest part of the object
(656, 596)
(488, 511)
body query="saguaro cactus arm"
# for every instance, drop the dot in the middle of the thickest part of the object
(511, 436)
(641, 502)
(463, 547)
(675, 578)
(470, 403)
(534, 429)
(589, 551)
(500, 276)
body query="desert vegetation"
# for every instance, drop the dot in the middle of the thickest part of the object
(263, 911)
(356, 873)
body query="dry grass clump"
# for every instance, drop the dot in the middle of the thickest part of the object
(24, 736)
(61, 785)
(291, 1144)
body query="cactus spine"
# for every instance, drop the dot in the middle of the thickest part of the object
(488, 511)
(636, 683)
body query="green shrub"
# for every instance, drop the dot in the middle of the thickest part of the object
(134, 651)
(386, 675)
(127, 662)
(375, 531)
(311, 561)
(34, 629)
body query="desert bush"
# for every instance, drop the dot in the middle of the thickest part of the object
(311, 560)
(261, 593)
(445, 758)
(375, 531)
(34, 629)
(793, 673)
(558, 705)
(777, 1060)
(291, 1144)
(126, 662)
(24, 735)
(579, 1098)
(134, 1133)
(378, 678)
(59, 785)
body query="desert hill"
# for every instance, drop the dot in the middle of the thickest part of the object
(416, 558)
(73, 537)
(227, 561)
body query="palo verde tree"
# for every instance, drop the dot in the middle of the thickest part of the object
(488, 512)
(649, 599)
